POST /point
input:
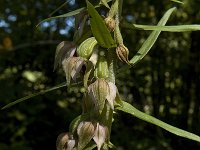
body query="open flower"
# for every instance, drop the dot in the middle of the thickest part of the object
(100, 91)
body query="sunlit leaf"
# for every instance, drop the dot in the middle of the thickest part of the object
(69, 14)
(151, 39)
(126, 107)
(99, 29)
(174, 28)
(105, 3)
(33, 95)
(176, 1)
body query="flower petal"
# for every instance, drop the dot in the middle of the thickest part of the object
(85, 133)
(98, 92)
(112, 94)
(100, 135)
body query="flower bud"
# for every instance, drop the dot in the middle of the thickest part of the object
(86, 48)
(101, 70)
(122, 53)
(110, 22)
(65, 141)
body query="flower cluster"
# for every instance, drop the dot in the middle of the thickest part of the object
(89, 62)
(94, 66)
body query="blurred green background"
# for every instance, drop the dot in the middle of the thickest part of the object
(165, 84)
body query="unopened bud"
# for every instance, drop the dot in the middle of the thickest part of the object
(122, 53)
(87, 47)
(110, 22)
(101, 70)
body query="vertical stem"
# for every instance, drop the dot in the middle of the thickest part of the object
(111, 65)
(120, 4)
(118, 36)
(114, 9)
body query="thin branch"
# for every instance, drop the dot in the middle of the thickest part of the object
(25, 45)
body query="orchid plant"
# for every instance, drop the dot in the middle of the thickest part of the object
(92, 59)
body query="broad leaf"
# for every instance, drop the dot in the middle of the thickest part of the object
(99, 29)
(69, 14)
(33, 95)
(174, 28)
(151, 39)
(126, 107)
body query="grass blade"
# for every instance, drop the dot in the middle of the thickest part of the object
(151, 39)
(126, 107)
(65, 3)
(33, 95)
(175, 28)
(176, 1)
(69, 14)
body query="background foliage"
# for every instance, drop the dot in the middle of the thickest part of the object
(165, 84)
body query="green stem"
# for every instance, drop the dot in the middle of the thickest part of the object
(118, 36)
(120, 8)
(114, 9)
(112, 65)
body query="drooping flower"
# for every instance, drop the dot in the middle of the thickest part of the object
(64, 50)
(72, 67)
(100, 91)
(88, 130)
(101, 135)
(65, 141)
(85, 131)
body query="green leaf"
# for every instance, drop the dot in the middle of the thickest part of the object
(126, 107)
(175, 28)
(99, 29)
(105, 3)
(176, 1)
(71, 13)
(74, 124)
(59, 7)
(33, 95)
(151, 39)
